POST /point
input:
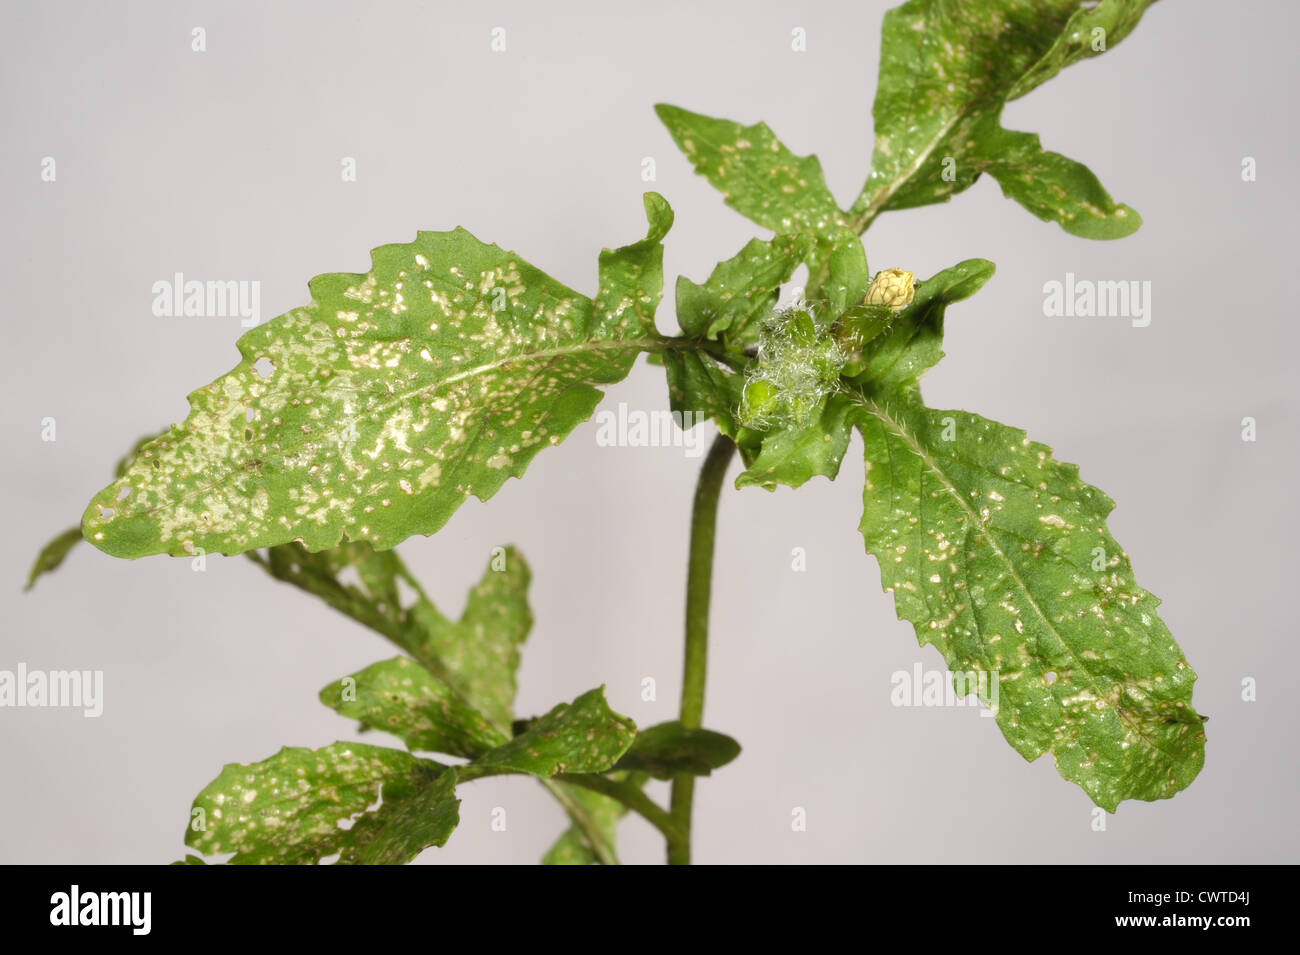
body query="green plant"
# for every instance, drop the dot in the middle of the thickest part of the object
(370, 414)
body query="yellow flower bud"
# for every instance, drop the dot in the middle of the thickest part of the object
(892, 287)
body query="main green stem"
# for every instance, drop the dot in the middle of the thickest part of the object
(699, 587)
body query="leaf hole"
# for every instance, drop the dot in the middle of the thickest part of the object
(347, 822)
(106, 512)
(123, 494)
(1049, 677)
(264, 367)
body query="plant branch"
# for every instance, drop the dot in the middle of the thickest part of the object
(600, 847)
(714, 349)
(625, 793)
(699, 586)
(631, 796)
(337, 595)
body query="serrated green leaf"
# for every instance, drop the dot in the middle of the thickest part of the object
(403, 698)
(386, 402)
(478, 655)
(742, 290)
(475, 658)
(286, 810)
(793, 455)
(1053, 187)
(584, 736)
(913, 343)
(999, 555)
(756, 174)
(947, 71)
(665, 750)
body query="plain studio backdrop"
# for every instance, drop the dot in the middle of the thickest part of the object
(226, 164)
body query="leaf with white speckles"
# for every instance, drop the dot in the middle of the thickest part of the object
(757, 175)
(665, 750)
(420, 810)
(434, 704)
(741, 291)
(478, 655)
(286, 810)
(1053, 187)
(473, 658)
(946, 72)
(632, 277)
(457, 695)
(373, 412)
(584, 736)
(403, 698)
(999, 555)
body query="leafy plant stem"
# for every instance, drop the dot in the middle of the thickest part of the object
(630, 796)
(699, 585)
(577, 815)
(333, 594)
(600, 846)
(338, 597)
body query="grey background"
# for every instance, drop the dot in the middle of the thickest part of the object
(226, 165)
